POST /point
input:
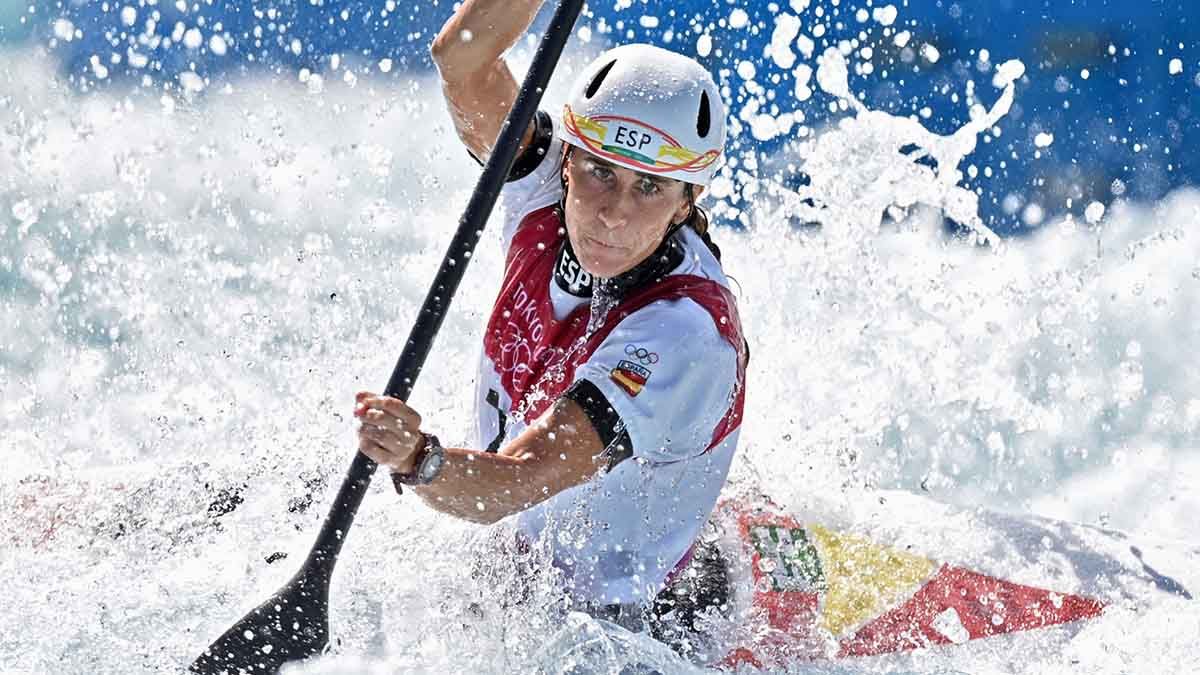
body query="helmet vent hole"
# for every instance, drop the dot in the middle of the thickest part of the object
(594, 85)
(704, 119)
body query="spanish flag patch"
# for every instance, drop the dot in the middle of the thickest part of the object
(630, 377)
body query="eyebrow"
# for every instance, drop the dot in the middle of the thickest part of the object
(661, 180)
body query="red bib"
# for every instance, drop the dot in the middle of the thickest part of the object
(535, 355)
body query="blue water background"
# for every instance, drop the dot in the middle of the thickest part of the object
(1128, 129)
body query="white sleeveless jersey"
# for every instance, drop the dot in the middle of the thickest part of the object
(666, 368)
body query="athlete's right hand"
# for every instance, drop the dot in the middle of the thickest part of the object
(390, 432)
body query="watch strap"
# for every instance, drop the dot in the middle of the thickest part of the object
(429, 444)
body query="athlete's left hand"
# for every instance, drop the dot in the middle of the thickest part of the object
(390, 432)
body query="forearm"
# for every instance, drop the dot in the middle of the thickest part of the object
(559, 450)
(484, 487)
(478, 35)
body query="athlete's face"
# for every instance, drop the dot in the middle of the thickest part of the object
(615, 216)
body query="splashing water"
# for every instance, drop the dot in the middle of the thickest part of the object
(869, 165)
(194, 290)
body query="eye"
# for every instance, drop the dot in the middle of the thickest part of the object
(648, 187)
(602, 172)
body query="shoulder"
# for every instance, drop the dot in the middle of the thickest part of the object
(679, 333)
(672, 318)
(698, 260)
(537, 186)
(670, 377)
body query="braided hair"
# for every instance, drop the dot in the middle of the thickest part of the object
(697, 219)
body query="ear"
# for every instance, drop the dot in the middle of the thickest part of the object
(686, 206)
(566, 163)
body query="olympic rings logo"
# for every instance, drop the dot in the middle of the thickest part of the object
(648, 358)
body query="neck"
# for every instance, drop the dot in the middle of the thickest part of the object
(572, 278)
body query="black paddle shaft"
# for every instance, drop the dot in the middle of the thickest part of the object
(294, 623)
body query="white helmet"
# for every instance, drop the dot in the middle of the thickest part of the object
(650, 110)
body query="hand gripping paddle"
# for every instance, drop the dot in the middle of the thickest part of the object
(293, 624)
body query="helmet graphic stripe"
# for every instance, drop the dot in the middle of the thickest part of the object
(648, 109)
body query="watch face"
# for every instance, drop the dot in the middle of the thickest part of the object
(431, 466)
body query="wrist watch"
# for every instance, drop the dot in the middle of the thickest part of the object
(427, 465)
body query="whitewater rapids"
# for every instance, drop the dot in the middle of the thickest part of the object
(194, 287)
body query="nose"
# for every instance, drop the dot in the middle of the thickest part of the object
(616, 211)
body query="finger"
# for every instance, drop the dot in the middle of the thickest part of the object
(384, 456)
(400, 410)
(393, 406)
(376, 453)
(400, 443)
(383, 420)
(380, 419)
(359, 407)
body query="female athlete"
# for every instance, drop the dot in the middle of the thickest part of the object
(612, 372)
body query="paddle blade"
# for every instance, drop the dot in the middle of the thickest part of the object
(292, 625)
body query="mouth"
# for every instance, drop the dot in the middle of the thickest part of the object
(596, 243)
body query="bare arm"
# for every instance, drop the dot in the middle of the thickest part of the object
(478, 85)
(561, 449)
